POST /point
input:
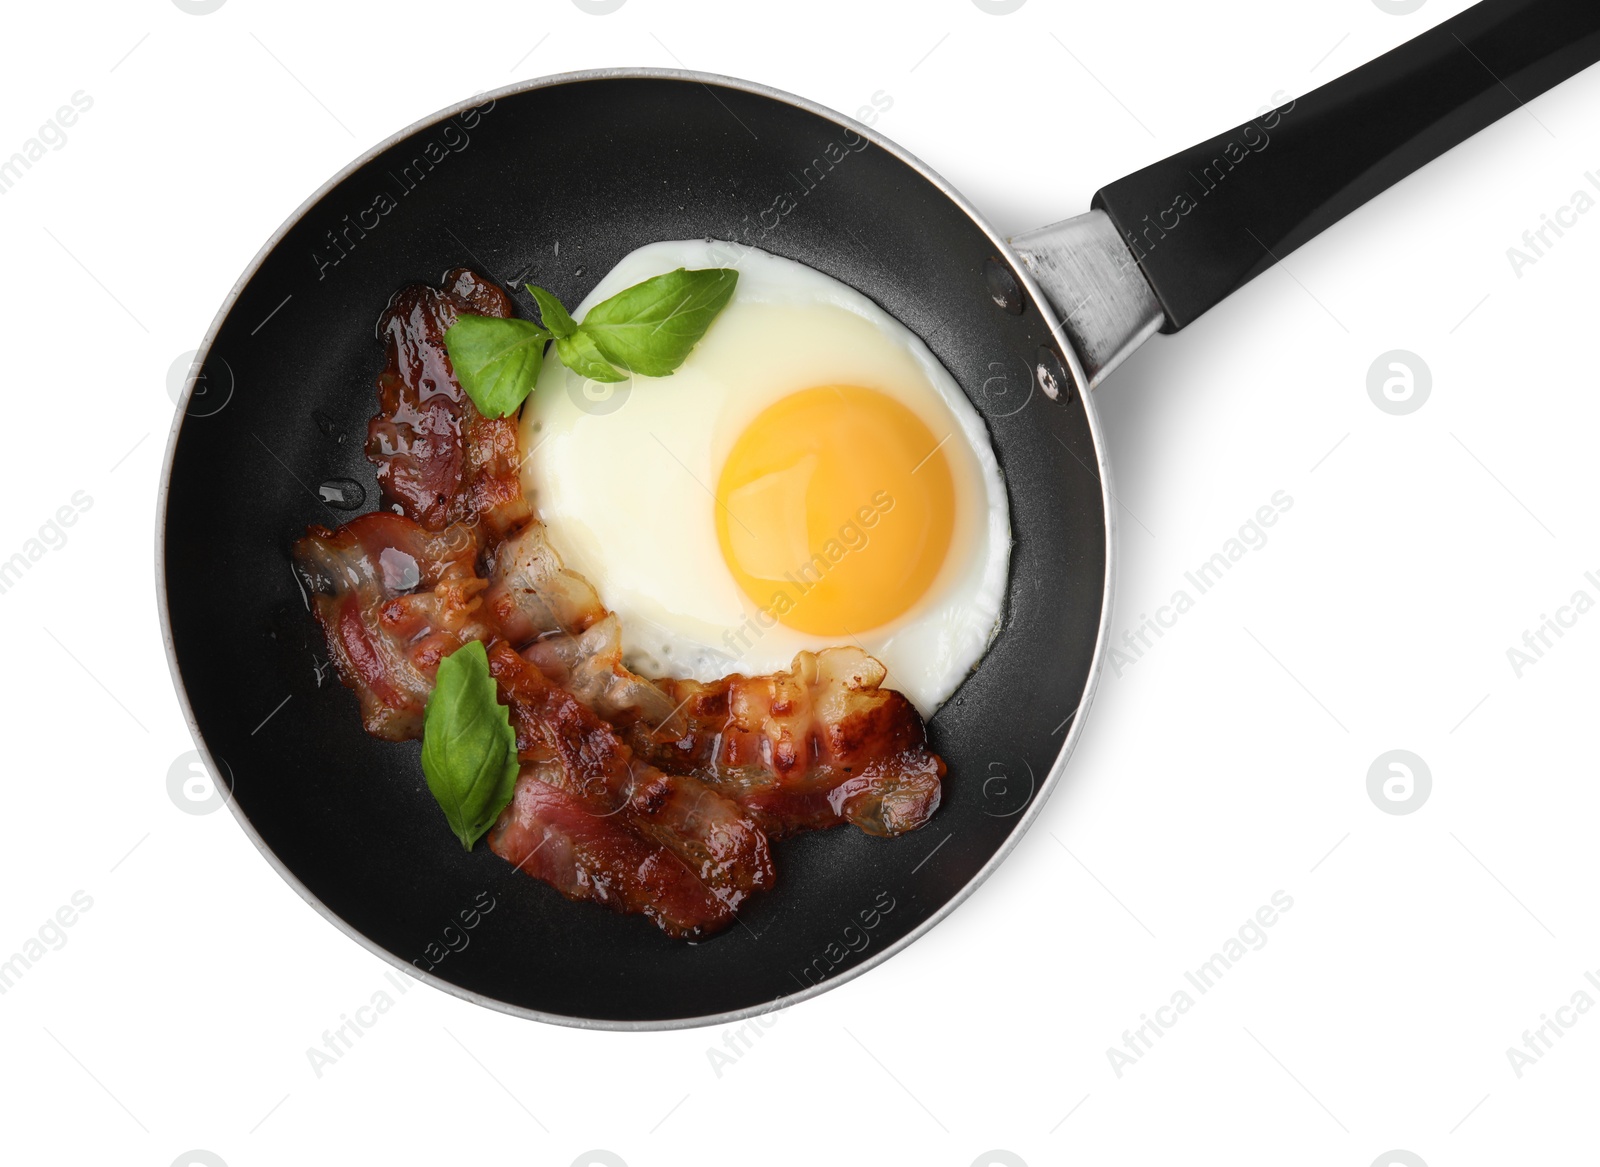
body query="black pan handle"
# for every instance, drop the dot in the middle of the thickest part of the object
(1210, 219)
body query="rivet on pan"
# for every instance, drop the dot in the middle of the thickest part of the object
(1003, 287)
(1052, 376)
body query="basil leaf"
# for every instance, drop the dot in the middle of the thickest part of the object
(578, 353)
(554, 315)
(496, 360)
(651, 327)
(469, 750)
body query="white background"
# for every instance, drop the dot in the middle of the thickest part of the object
(1227, 764)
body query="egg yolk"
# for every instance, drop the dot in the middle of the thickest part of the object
(835, 510)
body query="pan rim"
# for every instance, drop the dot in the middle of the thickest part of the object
(1047, 314)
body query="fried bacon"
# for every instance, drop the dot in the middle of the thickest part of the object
(550, 834)
(816, 746)
(590, 667)
(557, 617)
(393, 600)
(584, 756)
(654, 798)
(437, 457)
(531, 593)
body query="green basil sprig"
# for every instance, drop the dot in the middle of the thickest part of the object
(497, 361)
(648, 329)
(469, 750)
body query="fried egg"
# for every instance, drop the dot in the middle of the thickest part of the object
(810, 476)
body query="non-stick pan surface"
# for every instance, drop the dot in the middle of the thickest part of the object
(287, 386)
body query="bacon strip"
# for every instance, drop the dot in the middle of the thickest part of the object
(590, 667)
(549, 833)
(816, 746)
(531, 593)
(585, 758)
(393, 600)
(437, 457)
(557, 616)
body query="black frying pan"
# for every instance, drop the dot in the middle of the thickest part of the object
(284, 386)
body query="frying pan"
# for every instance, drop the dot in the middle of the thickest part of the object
(269, 439)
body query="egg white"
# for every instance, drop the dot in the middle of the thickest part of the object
(625, 475)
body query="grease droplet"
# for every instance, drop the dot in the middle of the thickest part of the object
(345, 494)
